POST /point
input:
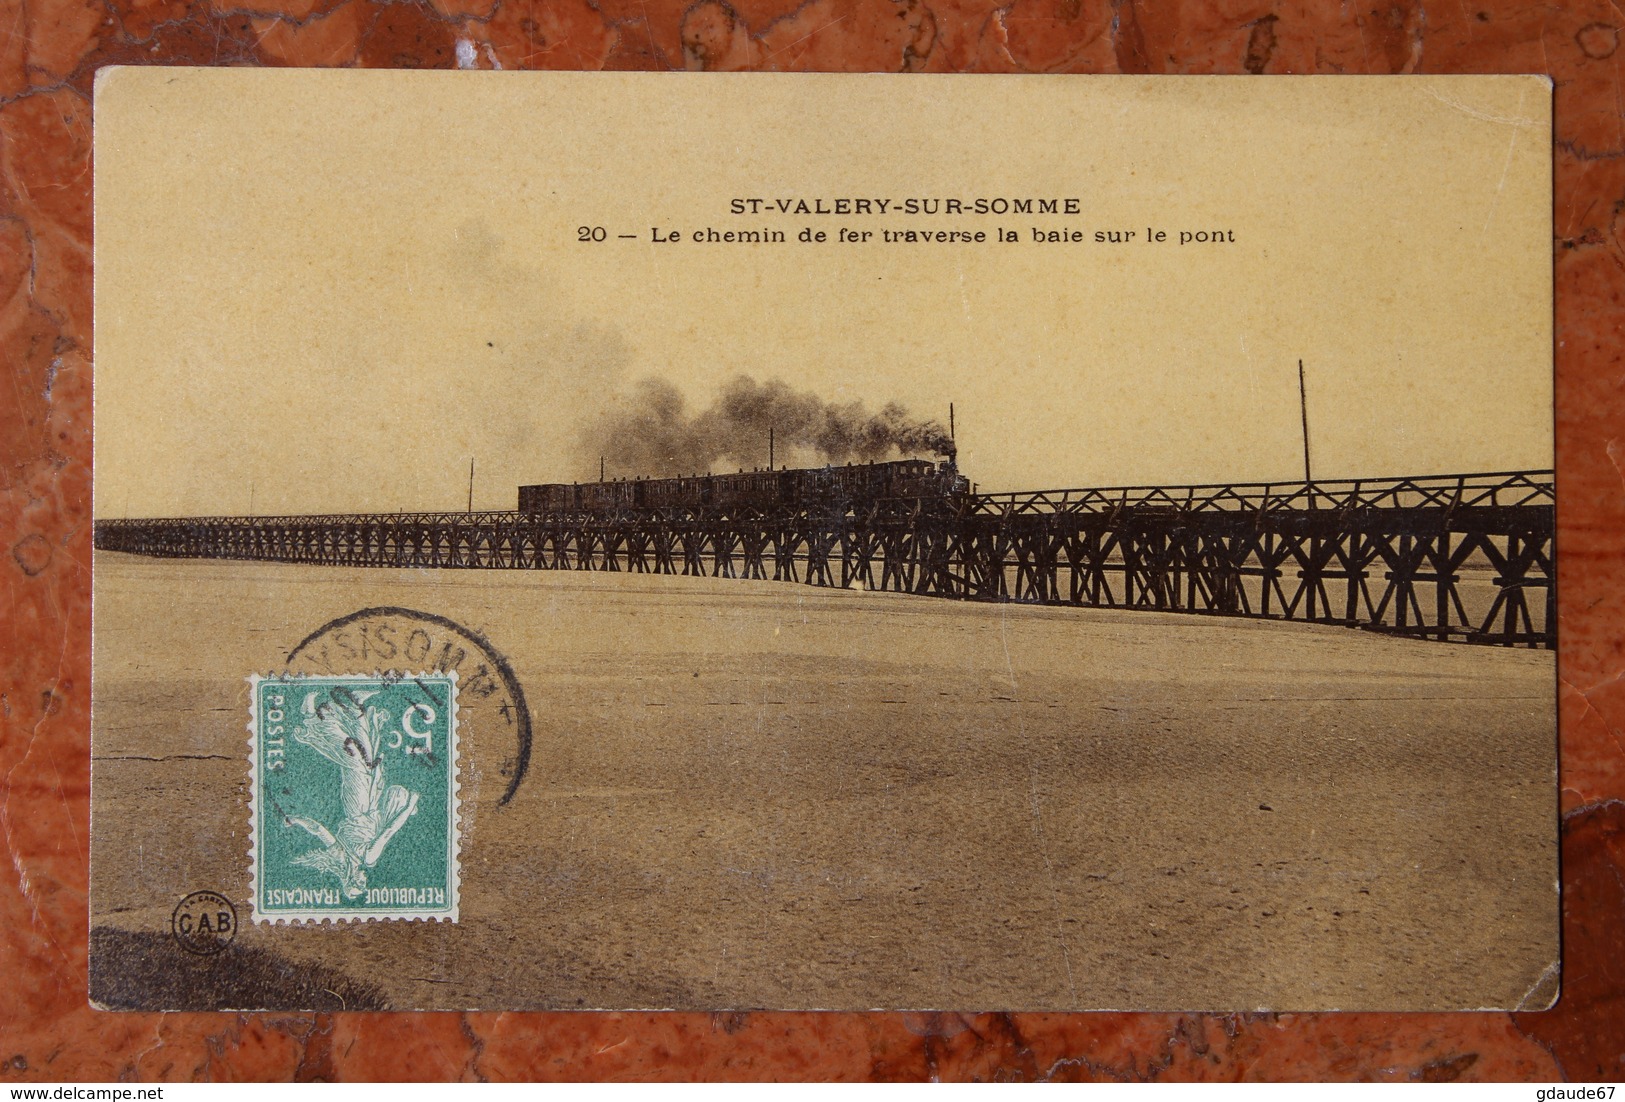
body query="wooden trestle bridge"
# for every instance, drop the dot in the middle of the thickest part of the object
(1465, 558)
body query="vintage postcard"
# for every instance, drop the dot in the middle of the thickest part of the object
(739, 541)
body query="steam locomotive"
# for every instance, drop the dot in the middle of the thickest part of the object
(851, 487)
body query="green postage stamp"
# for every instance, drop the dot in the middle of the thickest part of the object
(354, 797)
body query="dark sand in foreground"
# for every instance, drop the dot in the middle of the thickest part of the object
(752, 794)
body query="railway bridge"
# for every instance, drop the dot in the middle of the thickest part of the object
(1461, 558)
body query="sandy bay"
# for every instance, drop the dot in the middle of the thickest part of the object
(751, 794)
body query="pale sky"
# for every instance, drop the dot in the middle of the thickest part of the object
(325, 290)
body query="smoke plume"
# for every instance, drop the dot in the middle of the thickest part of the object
(652, 432)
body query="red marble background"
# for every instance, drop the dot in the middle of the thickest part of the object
(49, 52)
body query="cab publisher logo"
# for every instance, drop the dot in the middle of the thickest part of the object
(204, 923)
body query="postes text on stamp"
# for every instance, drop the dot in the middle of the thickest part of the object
(354, 797)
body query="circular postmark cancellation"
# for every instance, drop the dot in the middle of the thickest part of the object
(204, 923)
(491, 702)
(361, 794)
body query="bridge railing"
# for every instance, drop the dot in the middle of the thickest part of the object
(305, 520)
(1500, 488)
(1496, 488)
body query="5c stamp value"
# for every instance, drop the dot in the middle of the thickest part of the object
(355, 797)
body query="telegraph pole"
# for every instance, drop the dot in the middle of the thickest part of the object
(770, 447)
(1303, 409)
(471, 483)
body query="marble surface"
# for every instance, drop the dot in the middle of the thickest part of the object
(49, 51)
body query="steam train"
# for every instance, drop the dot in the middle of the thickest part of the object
(837, 488)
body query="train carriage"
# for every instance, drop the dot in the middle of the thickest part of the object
(845, 487)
